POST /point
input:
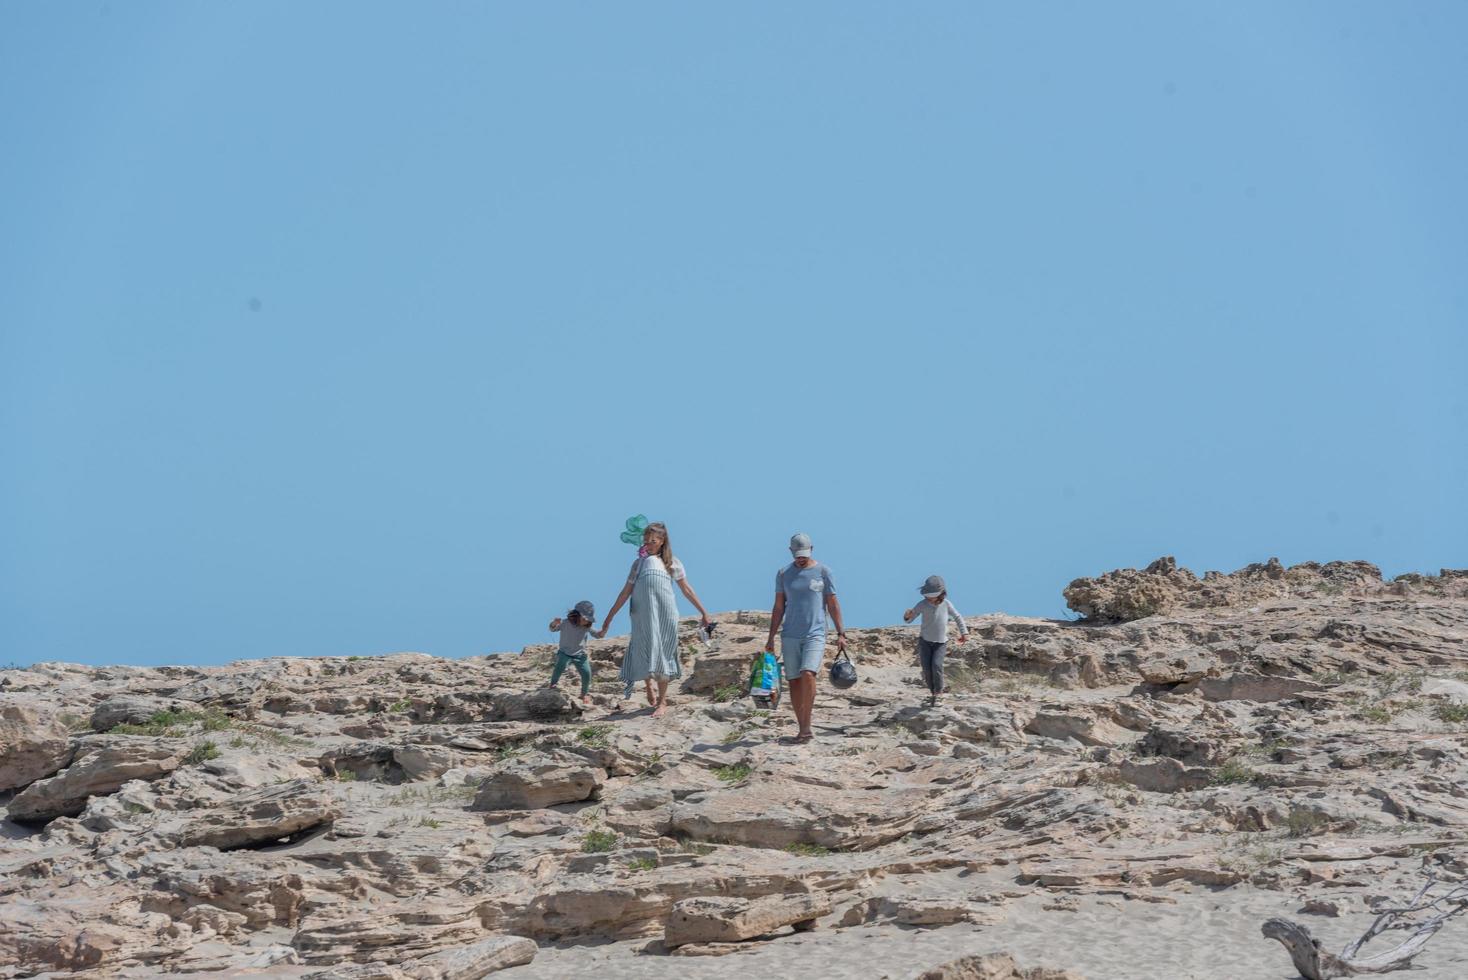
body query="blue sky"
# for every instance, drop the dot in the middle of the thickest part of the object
(353, 328)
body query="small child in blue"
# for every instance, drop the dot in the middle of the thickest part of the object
(932, 644)
(574, 629)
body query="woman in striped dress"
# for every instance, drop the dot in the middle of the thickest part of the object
(652, 653)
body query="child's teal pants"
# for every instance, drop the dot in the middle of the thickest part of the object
(583, 667)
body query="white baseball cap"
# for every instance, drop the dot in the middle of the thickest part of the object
(800, 545)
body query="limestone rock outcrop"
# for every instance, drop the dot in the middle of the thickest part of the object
(726, 919)
(259, 816)
(1264, 742)
(135, 709)
(34, 744)
(96, 770)
(540, 780)
(1163, 586)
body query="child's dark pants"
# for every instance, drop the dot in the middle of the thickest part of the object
(930, 658)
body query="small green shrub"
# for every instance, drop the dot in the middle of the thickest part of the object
(277, 737)
(599, 842)
(215, 720)
(1264, 750)
(733, 774)
(170, 724)
(642, 864)
(430, 795)
(1248, 854)
(346, 776)
(147, 728)
(1409, 682)
(727, 692)
(808, 850)
(160, 723)
(695, 847)
(595, 736)
(651, 766)
(430, 823)
(1232, 773)
(399, 706)
(202, 752)
(1453, 714)
(1304, 823)
(1378, 713)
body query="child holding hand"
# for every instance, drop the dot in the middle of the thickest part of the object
(932, 644)
(574, 629)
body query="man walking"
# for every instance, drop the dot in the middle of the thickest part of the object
(804, 593)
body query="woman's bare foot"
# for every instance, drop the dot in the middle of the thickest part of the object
(586, 700)
(652, 697)
(661, 710)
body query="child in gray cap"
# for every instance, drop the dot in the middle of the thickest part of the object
(932, 644)
(573, 630)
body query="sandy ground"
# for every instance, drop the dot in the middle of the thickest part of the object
(1204, 936)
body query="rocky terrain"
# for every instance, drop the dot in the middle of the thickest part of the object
(1129, 795)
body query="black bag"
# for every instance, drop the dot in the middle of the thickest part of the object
(843, 671)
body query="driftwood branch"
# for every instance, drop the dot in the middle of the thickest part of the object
(1315, 963)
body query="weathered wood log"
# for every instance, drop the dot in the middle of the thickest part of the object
(1315, 963)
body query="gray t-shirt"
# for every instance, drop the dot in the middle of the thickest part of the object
(935, 620)
(573, 638)
(805, 592)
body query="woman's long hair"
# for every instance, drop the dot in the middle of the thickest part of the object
(665, 553)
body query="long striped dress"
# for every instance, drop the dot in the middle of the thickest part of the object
(653, 650)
